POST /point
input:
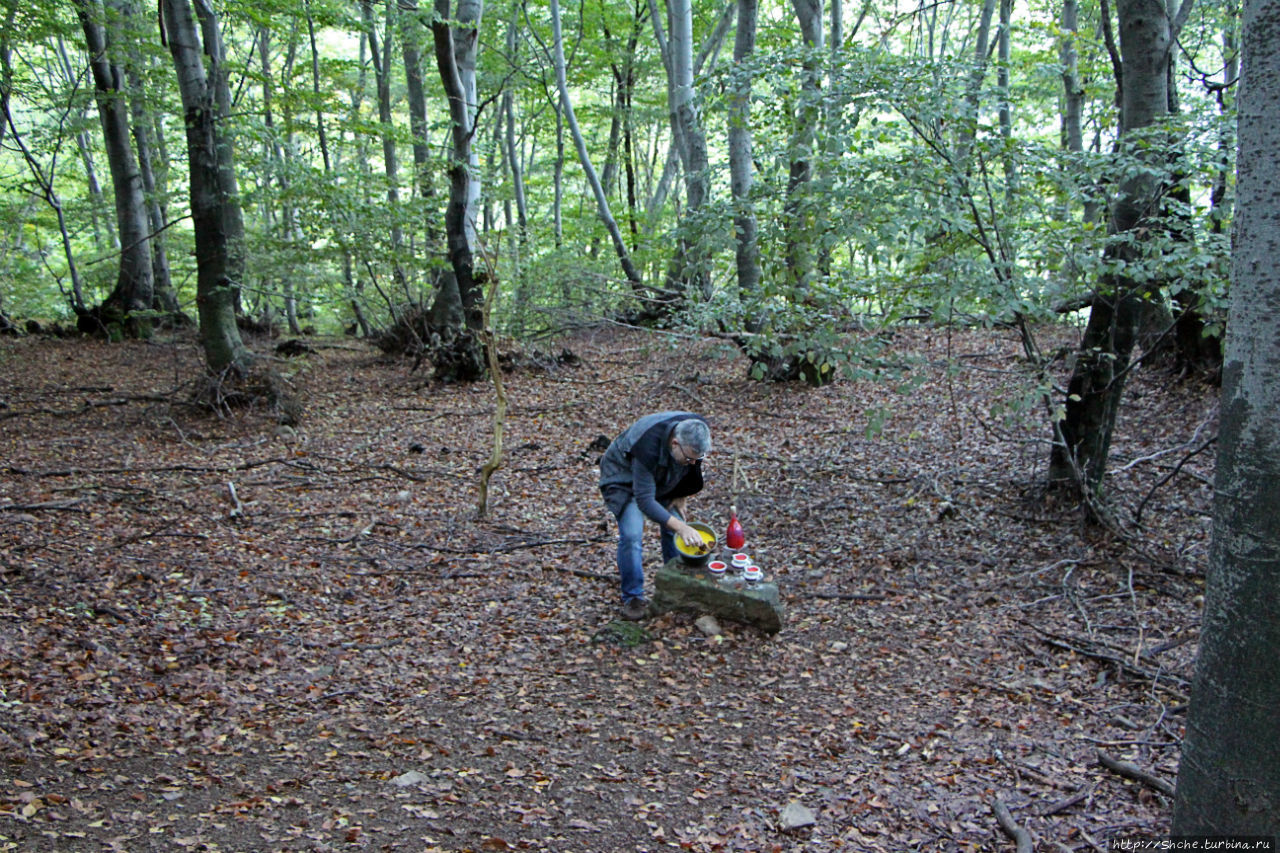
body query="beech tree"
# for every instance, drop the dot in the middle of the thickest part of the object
(1229, 778)
(135, 284)
(1083, 435)
(457, 311)
(217, 257)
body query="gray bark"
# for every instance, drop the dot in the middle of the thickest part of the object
(135, 282)
(1229, 779)
(220, 91)
(1097, 381)
(455, 41)
(968, 126)
(593, 181)
(693, 143)
(800, 226)
(380, 54)
(216, 286)
(741, 169)
(410, 30)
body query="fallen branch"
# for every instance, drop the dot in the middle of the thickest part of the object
(1111, 655)
(1020, 836)
(1137, 774)
(848, 596)
(1062, 805)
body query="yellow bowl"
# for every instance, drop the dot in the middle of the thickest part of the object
(701, 555)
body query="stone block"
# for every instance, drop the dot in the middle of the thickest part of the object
(678, 586)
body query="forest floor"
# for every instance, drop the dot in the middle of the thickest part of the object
(221, 634)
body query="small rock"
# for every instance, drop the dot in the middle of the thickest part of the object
(839, 646)
(404, 780)
(796, 816)
(708, 625)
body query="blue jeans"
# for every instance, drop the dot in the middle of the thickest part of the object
(631, 550)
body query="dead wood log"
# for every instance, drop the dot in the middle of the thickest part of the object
(1020, 836)
(1137, 774)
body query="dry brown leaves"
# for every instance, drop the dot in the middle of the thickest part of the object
(220, 635)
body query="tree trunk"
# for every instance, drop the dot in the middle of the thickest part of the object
(1102, 362)
(216, 287)
(968, 125)
(381, 58)
(411, 28)
(458, 352)
(741, 168)
(1220, 201)
(693, 266)
(228, 188)
(1229, 779)
(602, 203)
(135, 282)
(71, 77)
(800, 216)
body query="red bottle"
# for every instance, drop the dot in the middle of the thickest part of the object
(734, 537)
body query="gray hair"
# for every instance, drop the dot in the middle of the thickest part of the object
(694, 435)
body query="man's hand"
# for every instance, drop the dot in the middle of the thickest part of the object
(690, 536)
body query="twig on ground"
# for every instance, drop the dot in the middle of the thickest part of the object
(1062, 805)
(1020, 836)
(1134, 772)
(848, 596)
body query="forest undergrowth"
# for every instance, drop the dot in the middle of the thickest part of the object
(225, 634)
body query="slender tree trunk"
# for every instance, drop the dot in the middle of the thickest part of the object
(693, 268)
(741, 169)
(1073, 98)
(1219, 200)
(84, 147)
(215, 264)
(1229, 779)
(800, 213)
(411, 27)
(380, 54)
(968, 125)
(602, 203)
(135, 282)
(1005, 109)
(457, 312)
(1102, 362)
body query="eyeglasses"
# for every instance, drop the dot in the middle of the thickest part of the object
(686, 457)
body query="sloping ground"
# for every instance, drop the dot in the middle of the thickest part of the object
(223, 635)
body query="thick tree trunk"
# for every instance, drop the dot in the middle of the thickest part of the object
(216, 288)
(228, 183)
(135, 282)
(1229, 779)
(1102, 362)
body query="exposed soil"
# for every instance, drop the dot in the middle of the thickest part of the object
(221, 634)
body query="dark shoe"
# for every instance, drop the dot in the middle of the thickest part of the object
(635, 609)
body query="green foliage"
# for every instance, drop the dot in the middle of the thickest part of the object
(898, 220)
